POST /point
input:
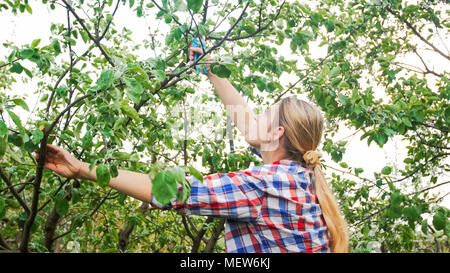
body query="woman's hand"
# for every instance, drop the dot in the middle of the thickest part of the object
(207, 58)
(61, 162)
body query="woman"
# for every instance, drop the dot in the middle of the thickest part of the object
(284, 205)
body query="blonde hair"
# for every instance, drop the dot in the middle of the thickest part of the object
(303, 126)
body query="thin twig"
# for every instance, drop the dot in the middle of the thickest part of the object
(412, 28)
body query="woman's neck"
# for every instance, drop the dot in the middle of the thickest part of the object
(272, 156)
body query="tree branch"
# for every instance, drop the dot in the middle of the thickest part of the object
(260, 29)
(81, 21)
(3, 243)
(430, 126)
(430, 188)
(214, 237)
(200, 234)
(427, 70)
(422, 141)
(205, 11)
(300, 79)
(61, 77)
(421, 166)
(14, 192)
(164, 10)
(411, 27)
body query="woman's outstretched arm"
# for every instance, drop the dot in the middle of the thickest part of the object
(136, 185)
(237, 108)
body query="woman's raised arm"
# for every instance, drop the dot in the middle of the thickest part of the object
(242, 115)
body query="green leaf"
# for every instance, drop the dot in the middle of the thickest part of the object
(35, 43)
(134, 89)
(260, 83)
(56, 47)
(343, 99)
(194, 5)
(386, 170)
(76, 195)
(16, 121)
(439, 220)
(2, 207)
(358, 171)
(30, 146)
(167, 18)
(179, 5)
(425, 226)
(139, 11)
(84, 36)
(103, 176)
(178, 173)
(26, 53)
(44, 98)
(16, 68)
(419, 116)
(121, 155)
(447, 114)
(412, 213)
(122, 198)
(396, 199)
(106, 79)
(119, 122)
(61, 91)
(406, 121)
(220, 70)
(379, 183)
(61, 204)
(334, 72)
(3, 128)
(15, 139)
(38, 135)
(183, 196)
(3, 144)
(164, 187)
(21, 103)
(329, 25)
(130, 111)
(381, 139)
(86, 141)
(113, 171)
(28, 8)
(196, 173)
(160, 75)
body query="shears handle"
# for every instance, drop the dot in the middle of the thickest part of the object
(196, 43)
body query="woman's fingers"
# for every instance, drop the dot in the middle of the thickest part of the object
(194, 50)
(52, 154)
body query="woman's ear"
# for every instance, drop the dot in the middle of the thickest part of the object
(277, 133)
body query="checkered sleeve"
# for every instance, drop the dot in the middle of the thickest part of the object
(234, 195)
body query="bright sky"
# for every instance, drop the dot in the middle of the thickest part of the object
(24, 28)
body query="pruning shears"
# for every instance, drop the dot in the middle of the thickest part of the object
(198, 43)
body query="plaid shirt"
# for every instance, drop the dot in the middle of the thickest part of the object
(268, 208)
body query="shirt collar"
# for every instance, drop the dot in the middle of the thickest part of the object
(289, 162)
(285, 162)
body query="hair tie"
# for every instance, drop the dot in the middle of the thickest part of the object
(312, 158)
